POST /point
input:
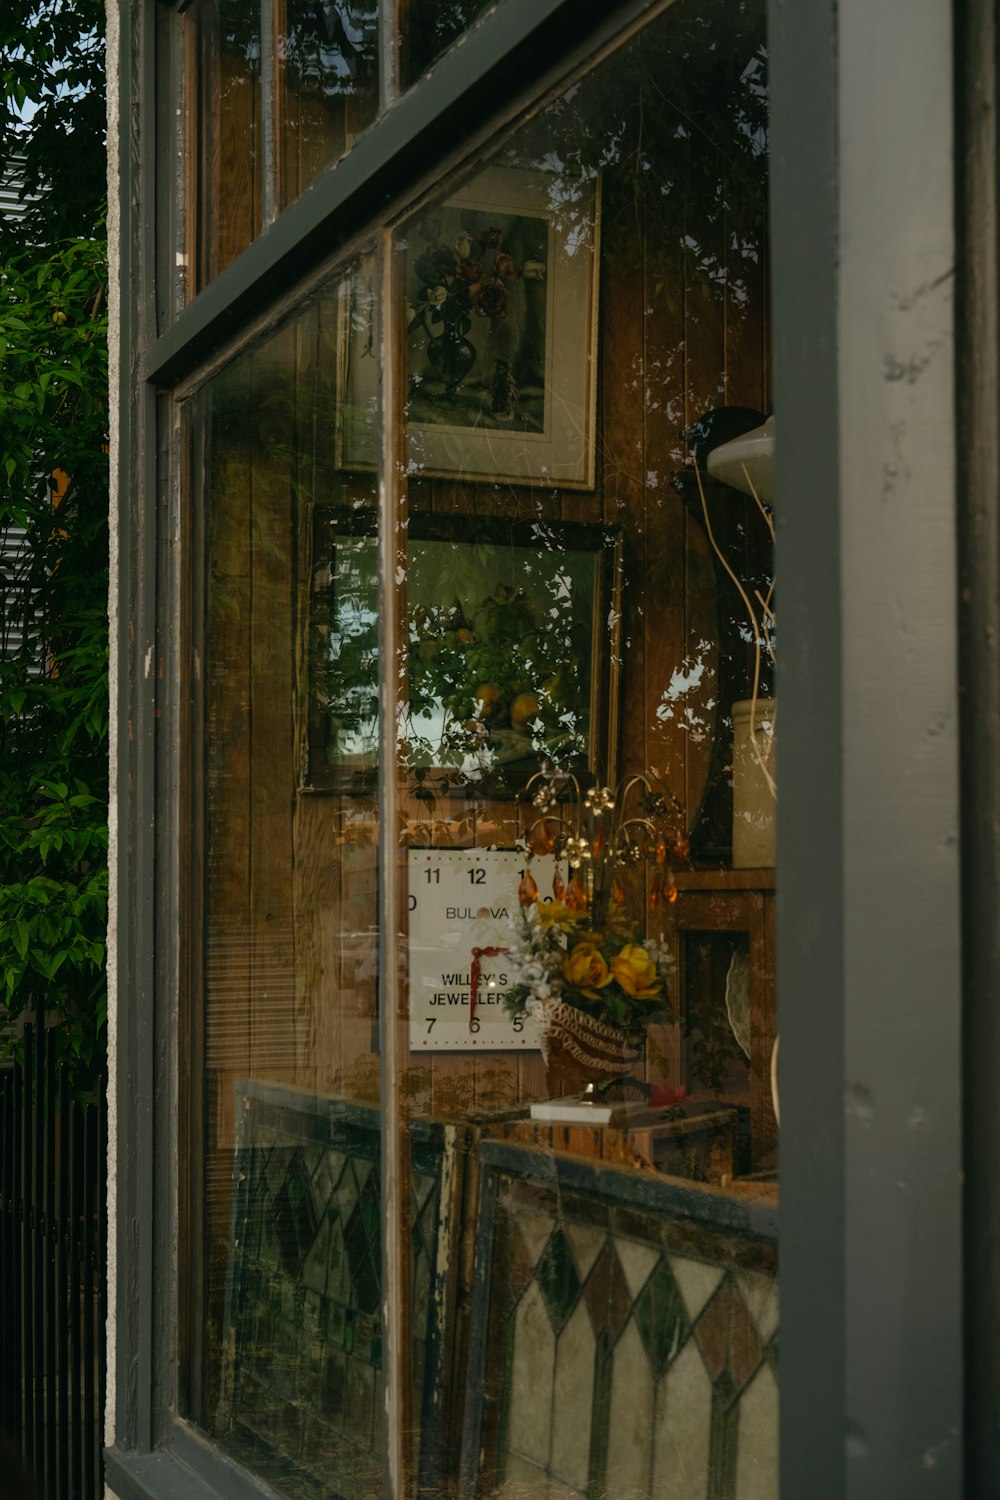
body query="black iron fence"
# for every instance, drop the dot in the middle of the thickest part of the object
(53, 1282)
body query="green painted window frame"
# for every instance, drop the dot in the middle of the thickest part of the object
(870, 951)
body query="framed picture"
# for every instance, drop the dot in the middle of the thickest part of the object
(304, 1289)
(501, 285)
(513, 653)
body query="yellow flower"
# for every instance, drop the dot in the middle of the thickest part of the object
(586, 969)
(636, 972)
(556, 914)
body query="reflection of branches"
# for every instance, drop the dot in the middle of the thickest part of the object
(760, 628)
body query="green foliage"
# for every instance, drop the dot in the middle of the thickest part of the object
(53, 640)
(52, 117)
(54, 422)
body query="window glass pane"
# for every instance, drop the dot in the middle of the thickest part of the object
(327, 86)
(429, 26)
(275, 92)
(283, 1264)
(225, 152)
(588, 840)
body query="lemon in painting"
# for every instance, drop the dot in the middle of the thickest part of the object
(523, 709)
(487, 696)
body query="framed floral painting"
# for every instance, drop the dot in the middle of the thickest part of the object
(501, 336)
(513, 652)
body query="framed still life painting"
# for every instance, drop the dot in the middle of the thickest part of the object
(501, 287)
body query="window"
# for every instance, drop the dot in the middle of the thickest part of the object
(275, 92)
(465, 584)
(577, 903)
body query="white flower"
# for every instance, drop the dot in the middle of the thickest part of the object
(532, 974)
(660, 954)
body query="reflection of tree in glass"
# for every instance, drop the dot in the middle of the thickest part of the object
(345, 644)
(676, 137)
(331, 49)
(432, 25)
(498, 675)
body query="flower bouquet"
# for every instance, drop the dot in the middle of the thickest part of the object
(580, 965)
(591, 990)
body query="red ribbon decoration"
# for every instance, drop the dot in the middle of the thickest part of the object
(477, 954)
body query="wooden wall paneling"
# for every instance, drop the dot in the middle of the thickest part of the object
(228, 790)
(317, 821)
(745, 301)
(226, 977)
(316, 900)
(307, 883)
(273, 1042)
(453, 1085)
(621, 442)
(193, 138)
(667, 577)
(233, 201)
(332, 882)
(358, 957)
(700, 702)
(286, 123)
(311, 128)
(704, 282)
(206, 103)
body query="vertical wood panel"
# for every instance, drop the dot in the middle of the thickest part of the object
(228, 790)
(273, 1041)
(666, 578)
(622, 444)
(744, 304)
(230, 208)
(704, 282)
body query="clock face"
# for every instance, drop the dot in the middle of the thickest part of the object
(461, 899)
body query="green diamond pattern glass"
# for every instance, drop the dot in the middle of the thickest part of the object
(660, 1317)
(558, 1280)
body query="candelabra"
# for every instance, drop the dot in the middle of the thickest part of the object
(603, 834)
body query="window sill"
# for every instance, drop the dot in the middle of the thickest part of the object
(191, 1469)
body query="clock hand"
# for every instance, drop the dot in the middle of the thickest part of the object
(477, 954)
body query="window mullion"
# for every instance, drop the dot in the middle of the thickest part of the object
(393, 1039)
(270, 18)
(390, 30)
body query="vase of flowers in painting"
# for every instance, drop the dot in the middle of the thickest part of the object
(451, 356)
